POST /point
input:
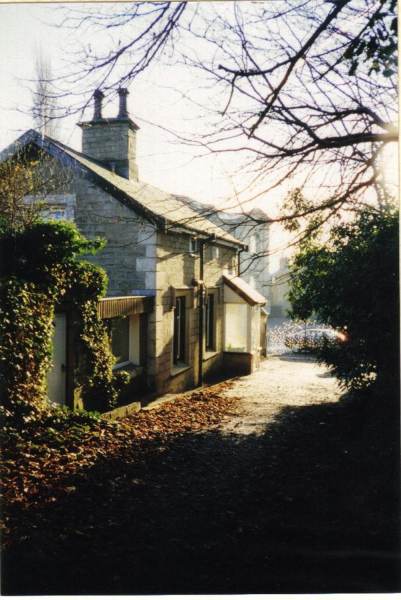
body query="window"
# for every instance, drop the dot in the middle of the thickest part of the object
(252, 245)
(125, 340)
(209, 322)
(231, 265)
(215, 252)
(58, 214)
(193, 245)
(53, 206)
(179, 331)
(236, 327)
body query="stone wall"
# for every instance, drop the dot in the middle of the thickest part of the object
(177, 272)
(239, 363)
(129, 255)
(112, 142)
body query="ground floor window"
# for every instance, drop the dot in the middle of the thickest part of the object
(210, 322)
(236, 327)
(124, 337)
(179, 330)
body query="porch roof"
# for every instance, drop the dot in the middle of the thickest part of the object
(243, 289)
(124, 306)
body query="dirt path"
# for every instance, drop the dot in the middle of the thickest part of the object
(298, 493)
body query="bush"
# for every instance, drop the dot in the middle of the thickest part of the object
(43, 269)
(351, 283)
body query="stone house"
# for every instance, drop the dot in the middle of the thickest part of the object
(263, 265)
(252, 228)
(175, 307)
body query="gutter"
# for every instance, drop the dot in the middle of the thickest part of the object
(207, 237)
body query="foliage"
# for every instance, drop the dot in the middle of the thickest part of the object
(101, 386)
(351, 284)
(377, 43)
(43, 270)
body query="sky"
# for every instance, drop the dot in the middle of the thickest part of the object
(26, 29)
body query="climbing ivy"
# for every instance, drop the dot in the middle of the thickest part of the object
(42, 270)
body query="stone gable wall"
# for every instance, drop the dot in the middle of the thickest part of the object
(255, 265)
(129, 255)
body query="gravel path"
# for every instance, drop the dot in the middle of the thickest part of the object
(280, 382)
(298, 493)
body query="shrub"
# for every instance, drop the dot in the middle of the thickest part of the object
(43, 269)
(351, 283)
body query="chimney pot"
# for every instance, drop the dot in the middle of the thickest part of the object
(98, 96)
(123, 93)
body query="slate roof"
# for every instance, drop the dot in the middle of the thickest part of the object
(166, 211)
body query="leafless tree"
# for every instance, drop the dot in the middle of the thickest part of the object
(304, 90)
(44, 96)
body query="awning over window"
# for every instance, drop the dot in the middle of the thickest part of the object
(243, 289)
(125, 305)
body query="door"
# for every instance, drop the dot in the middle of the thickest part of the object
(57, 378)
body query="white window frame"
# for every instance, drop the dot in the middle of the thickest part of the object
(133, 343)
(193, 245)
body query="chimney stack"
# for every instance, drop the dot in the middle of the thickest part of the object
(112, 141)
(98, 96)
(123, 112)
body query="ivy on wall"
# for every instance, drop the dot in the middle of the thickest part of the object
(42, 270)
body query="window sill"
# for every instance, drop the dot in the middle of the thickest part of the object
(133, 370)
(210, 354)
(179, 368)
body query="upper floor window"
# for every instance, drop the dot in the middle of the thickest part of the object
(193, 245)
(232, 264)
(54, 206)
(57, 214)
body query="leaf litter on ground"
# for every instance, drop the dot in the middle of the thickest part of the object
(46, 461)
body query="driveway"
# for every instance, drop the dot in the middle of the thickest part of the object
(295, 493)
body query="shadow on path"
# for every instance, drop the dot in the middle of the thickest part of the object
(311, 505)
